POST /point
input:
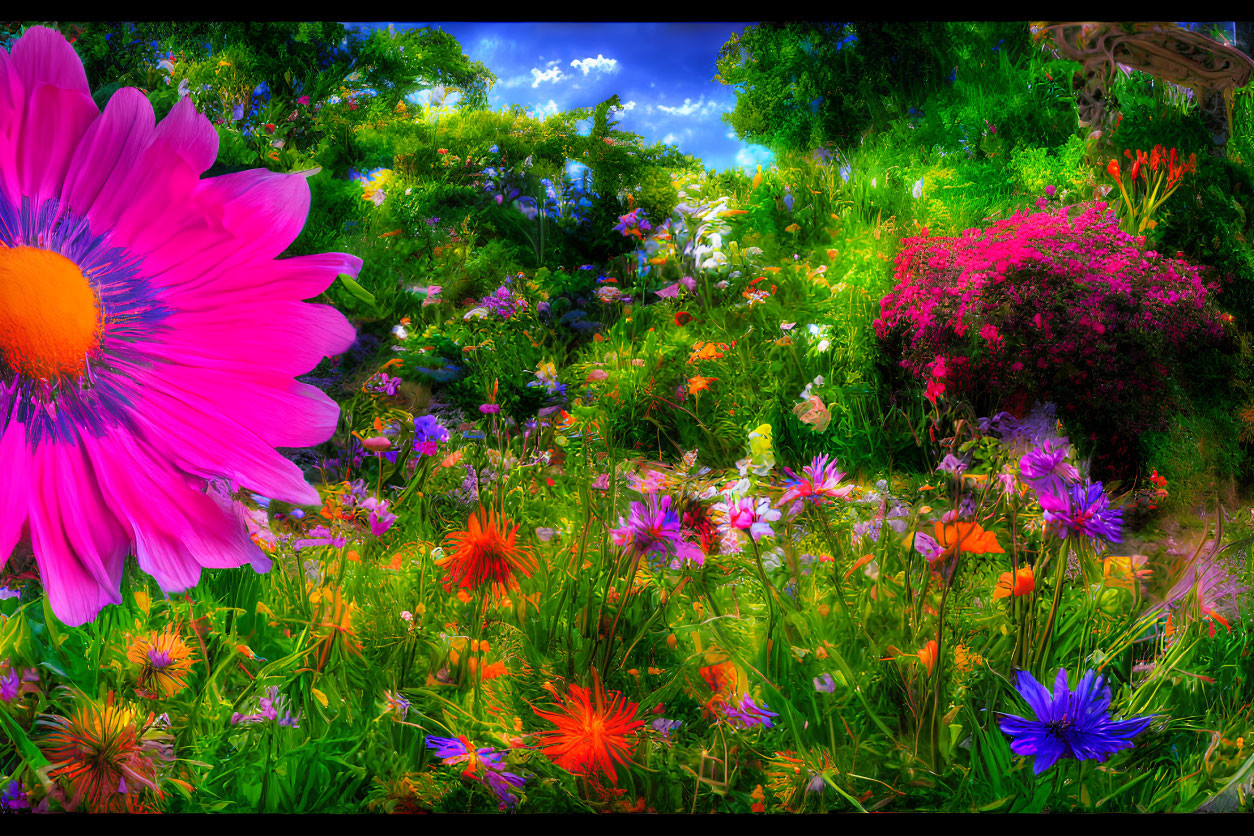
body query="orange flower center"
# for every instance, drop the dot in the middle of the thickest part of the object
(49, 319)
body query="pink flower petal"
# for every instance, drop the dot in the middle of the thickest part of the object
(43, 54)
(108, 152)
(13, 487)
(73, 591)
(55, 121)
(12, 104)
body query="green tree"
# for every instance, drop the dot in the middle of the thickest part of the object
(801, 85)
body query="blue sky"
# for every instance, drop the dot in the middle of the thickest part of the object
(662, 72)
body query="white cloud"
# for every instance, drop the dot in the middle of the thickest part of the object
(751, 156)
(600, 64)
(700, 107)
(670, 139)
(546, 110)
(553, 73)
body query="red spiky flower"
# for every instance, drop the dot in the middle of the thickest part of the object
(486, 553)
(591, 733)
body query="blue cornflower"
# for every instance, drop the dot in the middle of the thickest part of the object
(1088, 513)
(1069, 725)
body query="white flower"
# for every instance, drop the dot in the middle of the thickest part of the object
(399, 332)
(917, 191)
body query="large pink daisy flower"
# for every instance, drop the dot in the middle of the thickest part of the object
(148, 336)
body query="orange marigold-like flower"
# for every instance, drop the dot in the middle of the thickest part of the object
(486, 553)
(591, 733)
(110, 762)
(164, 661)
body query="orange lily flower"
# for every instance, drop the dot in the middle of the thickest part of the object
(1018, 583)
(967, 537)
(927, 655)
(699, 384)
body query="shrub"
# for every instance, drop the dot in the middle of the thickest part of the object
(1058, 303)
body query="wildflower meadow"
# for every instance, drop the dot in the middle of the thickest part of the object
(367, 448)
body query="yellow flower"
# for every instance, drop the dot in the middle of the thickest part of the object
(760, 441)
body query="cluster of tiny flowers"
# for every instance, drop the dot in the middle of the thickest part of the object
(1064, 303)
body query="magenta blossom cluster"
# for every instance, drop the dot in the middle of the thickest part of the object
(1060, 303)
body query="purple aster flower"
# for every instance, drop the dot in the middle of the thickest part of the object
(1088, 513)
(457, 750)
(654, 528)
(1069, 725)
(1046, 470)
(743, 712)
(268, 709)
(395, 703)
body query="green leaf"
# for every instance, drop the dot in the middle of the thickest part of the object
(29, 751)
(357, 290)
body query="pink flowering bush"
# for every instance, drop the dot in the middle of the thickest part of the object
(1059, 303)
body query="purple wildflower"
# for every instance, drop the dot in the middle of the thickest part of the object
(9, 685)
(665, 726)
(825, 683)
(321, 536)
(819, 482)
(501, 782)
(14, 797)
(380, 518)
(653, 528)
(1088, 513)
(395, 703)
(385, 385)
(1046, 470)
(743, 712)
(1069, 725)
